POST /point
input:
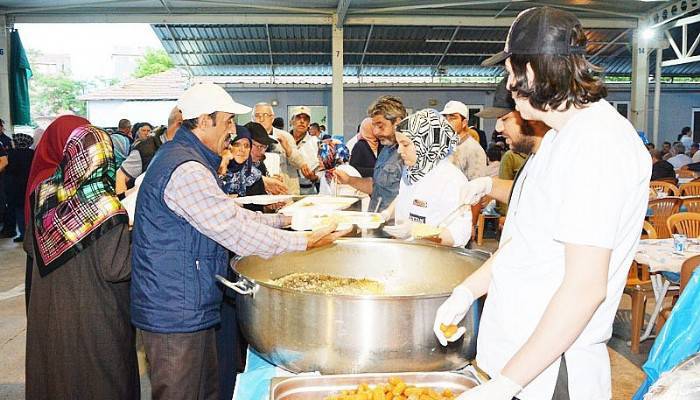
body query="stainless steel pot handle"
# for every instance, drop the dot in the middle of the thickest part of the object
(243, 287)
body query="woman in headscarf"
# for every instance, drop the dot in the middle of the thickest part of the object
(17, 173)
(80, 342)
(47, 155)
(365, 151)
(121, 148)
(240, 177)
(334, 156)
(431, 182)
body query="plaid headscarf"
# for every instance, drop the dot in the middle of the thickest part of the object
(433, 137)
(75, 206)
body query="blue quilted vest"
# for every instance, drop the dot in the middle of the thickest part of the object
(173, 289)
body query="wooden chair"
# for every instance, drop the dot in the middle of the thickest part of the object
(686, 173)
(648, 231)
(687, 223)
(691, 204)
(667, 187)
(673, 181)
(690, 189)
(662, 209)
(687, 270)
(639, 288)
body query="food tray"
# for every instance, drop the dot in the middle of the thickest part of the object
(262, 199)
(319, 387)
(319, 203)
(305, 221)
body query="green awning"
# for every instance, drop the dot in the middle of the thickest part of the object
(20, 72)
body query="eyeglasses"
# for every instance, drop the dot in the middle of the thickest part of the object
(258, 146)
(263, 115)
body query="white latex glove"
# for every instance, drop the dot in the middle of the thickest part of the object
(400, 231)
(475, 189)
(451, 312)
(499, 388)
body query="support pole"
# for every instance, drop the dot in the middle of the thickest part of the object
(657, 95)
(5, 73)
(640, 82)
(337, 85)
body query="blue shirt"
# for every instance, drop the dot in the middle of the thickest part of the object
(385, 181)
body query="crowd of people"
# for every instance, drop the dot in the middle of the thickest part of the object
(93, 276)
(673, 157)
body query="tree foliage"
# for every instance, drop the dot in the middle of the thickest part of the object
(53, 94)
(153, 62)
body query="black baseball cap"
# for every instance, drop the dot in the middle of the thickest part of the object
(259, 134)
(502, 102)
(539, 30)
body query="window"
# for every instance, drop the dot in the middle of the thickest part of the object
(623, 107)
(695, 124)
(473, 119)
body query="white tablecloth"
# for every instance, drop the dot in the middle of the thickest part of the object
(660, 255)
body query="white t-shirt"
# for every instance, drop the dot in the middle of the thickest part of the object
(433, 197)
(309, 149)
(587, 184)
(680, 160)
(687, 141)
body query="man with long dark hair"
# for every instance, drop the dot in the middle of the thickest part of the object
(571, 230)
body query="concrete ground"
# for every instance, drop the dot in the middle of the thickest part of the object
(626, 372)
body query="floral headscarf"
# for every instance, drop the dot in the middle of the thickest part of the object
(433, 137)
(239, 177)
(22, 141)
(332, 153)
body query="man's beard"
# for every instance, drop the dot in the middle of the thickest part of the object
(525, 145)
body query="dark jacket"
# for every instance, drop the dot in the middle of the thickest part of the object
(173, 289)
(662, 169)
(147, 149)
(363, 159)
(19, 161)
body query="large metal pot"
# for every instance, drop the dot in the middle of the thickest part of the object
(336, 334)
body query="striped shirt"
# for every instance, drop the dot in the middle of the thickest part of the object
(194, 194)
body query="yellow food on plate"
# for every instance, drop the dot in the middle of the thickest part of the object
(448, 330)
(424, 230)
(395, 389)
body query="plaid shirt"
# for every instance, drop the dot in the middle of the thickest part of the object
(194, 194)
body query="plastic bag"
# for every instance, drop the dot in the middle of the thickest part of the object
(678, 339)
(682, 382)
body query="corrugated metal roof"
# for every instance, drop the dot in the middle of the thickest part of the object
(167, 85)
(302, 50)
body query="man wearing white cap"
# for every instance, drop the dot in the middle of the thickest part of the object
(470, 156)
(183, 230)
(308, 146)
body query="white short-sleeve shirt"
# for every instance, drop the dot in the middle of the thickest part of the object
(587, 184)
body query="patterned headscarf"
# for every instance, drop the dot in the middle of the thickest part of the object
(48, 153)
(121, 146)
(239, 177)
(433, 137)
(77, 205)
(332, 153)
(22, 141)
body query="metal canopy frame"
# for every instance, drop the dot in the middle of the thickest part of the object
(625, 16)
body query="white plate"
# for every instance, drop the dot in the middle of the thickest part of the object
(305, 221)
(262, 199)
(319, 204)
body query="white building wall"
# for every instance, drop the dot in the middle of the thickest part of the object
(107, 113)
